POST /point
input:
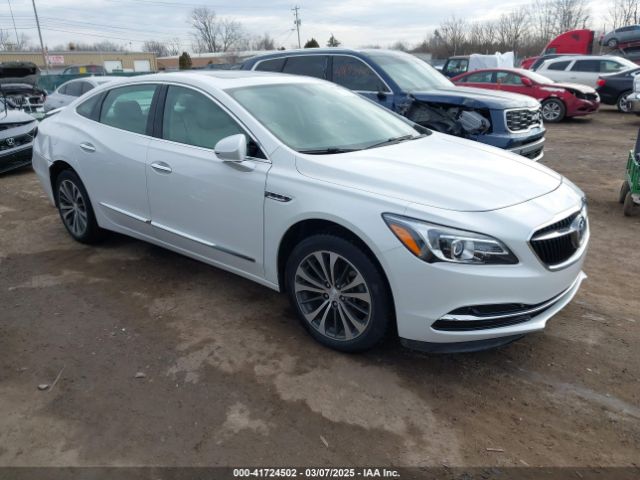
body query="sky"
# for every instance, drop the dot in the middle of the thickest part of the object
(355, 23)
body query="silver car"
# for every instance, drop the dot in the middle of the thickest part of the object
(69, 91)
(17, 130)
(630, 33)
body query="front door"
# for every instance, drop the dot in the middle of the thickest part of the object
(199, 203)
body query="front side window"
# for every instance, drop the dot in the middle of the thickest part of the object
(480, 77)
(128, 108)
(508, 78)
(586, 66)
(310, 65)
(321, 118)
(457, 66)
(274, 65)
(354, 74)
(193, 119)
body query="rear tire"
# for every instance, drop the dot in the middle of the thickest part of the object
(629, 205)
(553, 110)
(75, 208)
(623, 104)
(624, 189)
(338, 293)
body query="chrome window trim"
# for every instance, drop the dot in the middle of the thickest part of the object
(388, 91)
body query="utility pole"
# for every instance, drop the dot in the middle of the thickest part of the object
(14, 23)
(297, 23)
(44, 56)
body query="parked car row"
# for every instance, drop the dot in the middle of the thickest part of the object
(364, 217)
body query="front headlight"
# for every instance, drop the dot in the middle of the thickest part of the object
(437, 243)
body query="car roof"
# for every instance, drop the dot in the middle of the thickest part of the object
(326, 51)
(224, 79)
(585, 57)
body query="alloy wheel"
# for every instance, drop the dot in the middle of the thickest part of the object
(73, 208)
(333, 295)
(551, 111)
(624, 105)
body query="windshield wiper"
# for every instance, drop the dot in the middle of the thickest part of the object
(394, 140)
(328, 151)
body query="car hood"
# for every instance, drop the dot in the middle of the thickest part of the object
(19, 72)
(439, 171)
(14, 117)
(572, 86)
(476, 98)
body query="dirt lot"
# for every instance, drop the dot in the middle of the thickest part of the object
(232, 379)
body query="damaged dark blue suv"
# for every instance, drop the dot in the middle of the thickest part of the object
(412, 88)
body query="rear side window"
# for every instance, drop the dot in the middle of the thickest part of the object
(274, 65)
(586, 66)
(311, 65)
(74, 89)
(63, 89)
(480, 77)
(355, 74)
(128, 108)
(508, 78)
(89, 108)
(558, 65)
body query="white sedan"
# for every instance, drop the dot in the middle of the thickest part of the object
(71, 90)
(370, 223)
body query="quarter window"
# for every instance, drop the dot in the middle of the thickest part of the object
(128, 107)
(86, 87)
(310, 65)
(274, 65)
(355, 75)
(89, 108)
(609, 66)
(193, 119)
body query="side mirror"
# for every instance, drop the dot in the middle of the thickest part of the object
(527, 82)
(381, 94)
(232, 149)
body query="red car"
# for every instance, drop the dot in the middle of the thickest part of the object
(559, 100)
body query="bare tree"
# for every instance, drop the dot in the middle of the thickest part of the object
(212, 34)
(623, 12)
(174, 46)
(571, 14)
(154, 46)
(9, 42)
(452, 34)
(511, 29)
(264, 42)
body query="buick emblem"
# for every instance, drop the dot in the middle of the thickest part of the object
(579, 229)
(10, 142)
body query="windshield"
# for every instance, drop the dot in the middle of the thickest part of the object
(321, 117)
(409, 72)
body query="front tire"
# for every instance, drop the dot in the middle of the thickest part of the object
(75, 208)
(553, 110)
(339, 293)
(612, 43)
(624, 189)
(623, 104)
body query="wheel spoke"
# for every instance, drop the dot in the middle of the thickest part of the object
(360, 326)
(305, 276)
(333, 258)
(355, 306)
(348, 335)
(358, 280)
(365, 297)
(311, 316)
(319, 256)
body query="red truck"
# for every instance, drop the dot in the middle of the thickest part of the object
(575, 42)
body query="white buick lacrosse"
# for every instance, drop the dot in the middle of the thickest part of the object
(370, 223)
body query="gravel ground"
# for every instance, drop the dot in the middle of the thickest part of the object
(160, 360)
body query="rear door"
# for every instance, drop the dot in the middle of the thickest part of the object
(113, 152)
(484, 79)
(309, 65)
(585, 72)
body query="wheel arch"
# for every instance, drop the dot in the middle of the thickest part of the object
(55, 169)
(312, 226)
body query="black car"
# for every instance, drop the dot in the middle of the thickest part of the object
(614, 88)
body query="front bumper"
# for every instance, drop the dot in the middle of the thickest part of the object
(582, 107)
(533, 151)
(15, 158)
(425, 294)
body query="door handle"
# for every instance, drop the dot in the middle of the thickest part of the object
(87, 147)
(161, 167)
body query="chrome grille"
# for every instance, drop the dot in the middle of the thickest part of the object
(557, 243)
(523, 119)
